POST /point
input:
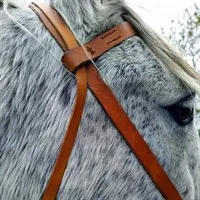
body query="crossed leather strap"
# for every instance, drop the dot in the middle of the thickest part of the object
(76, 60)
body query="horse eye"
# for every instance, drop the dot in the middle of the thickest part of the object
(182, 115)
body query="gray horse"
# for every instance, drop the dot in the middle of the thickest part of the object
(154, 85)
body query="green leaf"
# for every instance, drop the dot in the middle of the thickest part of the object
(190, 33)
(197, 110)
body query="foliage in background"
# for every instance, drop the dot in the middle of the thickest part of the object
(184, 33)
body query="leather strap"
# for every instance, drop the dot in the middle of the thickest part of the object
(114, 110)
(57, 26)
(98, 46)
(130, 134)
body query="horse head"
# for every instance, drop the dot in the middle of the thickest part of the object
(155, 86)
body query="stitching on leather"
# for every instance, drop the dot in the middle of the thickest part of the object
(117, 38)
(108, 34)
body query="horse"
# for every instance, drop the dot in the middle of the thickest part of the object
(155, 86)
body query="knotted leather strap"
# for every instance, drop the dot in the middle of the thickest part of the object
(98, 46)
(60, 31)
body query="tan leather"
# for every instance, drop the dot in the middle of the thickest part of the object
(66, 41)
(55, 24)
(131, 135)
(114, 110)
(98, 46)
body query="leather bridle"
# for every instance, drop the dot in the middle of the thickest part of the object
(76, 60)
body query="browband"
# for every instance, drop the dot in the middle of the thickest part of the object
(88, 76)
(98, 46)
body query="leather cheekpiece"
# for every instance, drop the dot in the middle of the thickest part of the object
(88, 76)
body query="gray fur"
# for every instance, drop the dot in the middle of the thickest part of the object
(36, 98)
